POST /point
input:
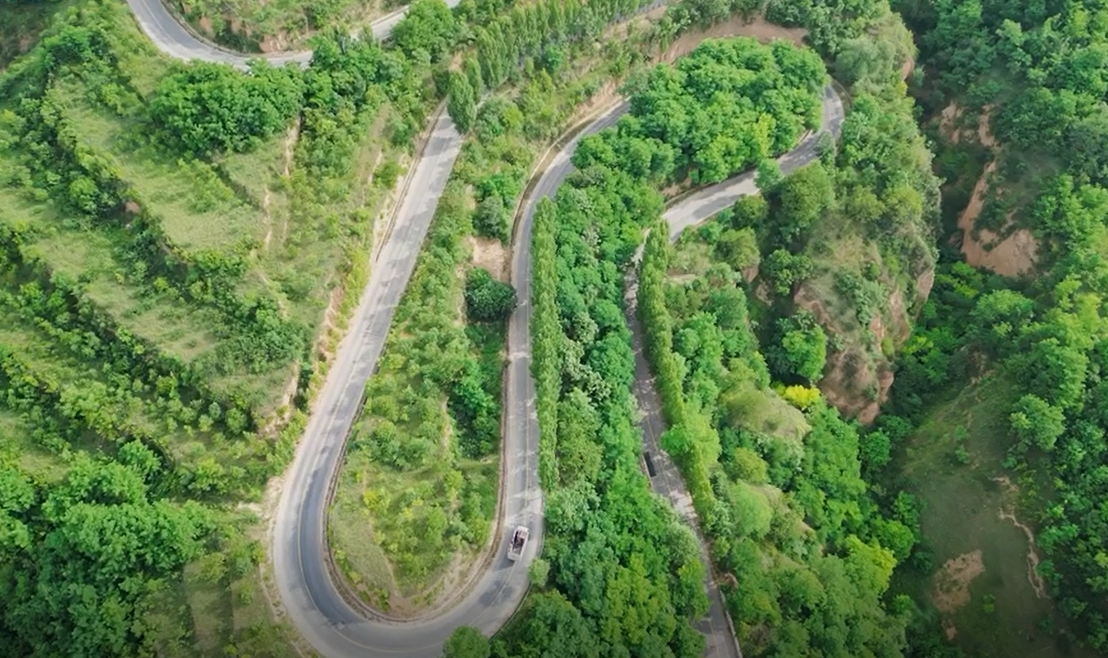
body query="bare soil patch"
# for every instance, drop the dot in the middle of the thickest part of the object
(951, 584)
(951, 125)
(852, 371)
(1011, 256)
(924, 282)
(491, 255)
(274, 43)
(907, 68)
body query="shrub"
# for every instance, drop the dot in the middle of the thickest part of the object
(488, 300)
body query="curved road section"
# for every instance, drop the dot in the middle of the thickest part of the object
(312, 600)
(666, 479)
(174, 39)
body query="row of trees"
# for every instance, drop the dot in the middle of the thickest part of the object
(540, 28)
(624, 574)
(580, 244)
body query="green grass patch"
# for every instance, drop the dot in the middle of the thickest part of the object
(93, 256)
(175, 327)
(691, 256)
(16, 444)
(119, 406)
(765, 412)
(197, 208)
(210, 607)
(397, 532)
(954, 465)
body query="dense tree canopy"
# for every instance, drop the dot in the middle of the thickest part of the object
(86, 556)
(206, 108)
(488, 300)
(728, 105)
(428, 29)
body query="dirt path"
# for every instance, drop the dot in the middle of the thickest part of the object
(290, 150)
(1008, 514)
(734, 27)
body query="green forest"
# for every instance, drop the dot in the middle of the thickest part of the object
(880, 375)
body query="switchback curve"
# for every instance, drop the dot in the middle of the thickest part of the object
(691, 211)
(175, 39)
(310, 597)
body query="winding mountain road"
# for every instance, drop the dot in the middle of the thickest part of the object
(667, 481)
(176, 40)
(311, 598)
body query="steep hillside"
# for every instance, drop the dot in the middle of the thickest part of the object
(1014, 95)
(176, 242)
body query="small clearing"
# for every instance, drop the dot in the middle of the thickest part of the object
(491, 255)
(982, 590)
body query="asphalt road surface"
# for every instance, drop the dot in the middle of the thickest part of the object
(176, 40)
(311, 599)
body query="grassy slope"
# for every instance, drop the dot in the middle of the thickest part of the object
(267, 25)
(221, 600)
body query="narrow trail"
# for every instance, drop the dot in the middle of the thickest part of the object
(310, 597)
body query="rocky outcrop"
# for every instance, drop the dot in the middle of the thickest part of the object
(858, 376)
